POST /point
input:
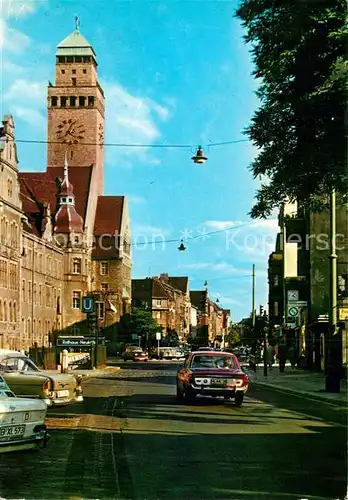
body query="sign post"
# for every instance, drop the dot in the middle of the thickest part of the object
(158, 338)
(88, 307)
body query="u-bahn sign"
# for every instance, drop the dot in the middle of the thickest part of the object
(293, 311)
(87, 305)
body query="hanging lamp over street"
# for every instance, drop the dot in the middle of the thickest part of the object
(181, 247)
(199, 156)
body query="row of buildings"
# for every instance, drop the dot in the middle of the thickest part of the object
(299, 280)
(60, 237)
(177, 309)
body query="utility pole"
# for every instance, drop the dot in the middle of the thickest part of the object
(253, 296)
(333, 375)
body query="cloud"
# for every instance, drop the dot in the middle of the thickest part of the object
(26, 100)
(131, 120)
(12, 40)
(148, 230)
(136, 200)
(222, 224)
(216, 267)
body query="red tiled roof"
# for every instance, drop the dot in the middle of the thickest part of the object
(108, 215)
(107, 227)
(39, 187)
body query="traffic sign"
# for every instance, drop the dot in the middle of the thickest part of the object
(343, 313)
(302, 303)
(293, 295)
(293, 311)
(87, 305)
(158, 336)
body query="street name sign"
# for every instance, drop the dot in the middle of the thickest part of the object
(158, 336)
(302, 303)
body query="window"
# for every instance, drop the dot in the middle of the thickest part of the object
(73, 81)
(48, 296)
(82, 101)
(14, 315)
(104, 268)
(76, 303)
(54, 101)
(159, 302)
(29, 291)
(90, 101)
(78, 59)
(276, 309)
(63, 102)
(23, 290)
(10, 312)
(34, 293)
(70, 59)
(40, 294)
(77, 266)
(72, 101)
(74, 71)
(84, 71)
(276, 280)
(9, 188)
(105, 287)
(63, 71)
(101, 310)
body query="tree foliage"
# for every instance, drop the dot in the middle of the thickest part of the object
(299, 52)
(143, 324)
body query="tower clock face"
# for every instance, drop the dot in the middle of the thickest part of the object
(70, 131)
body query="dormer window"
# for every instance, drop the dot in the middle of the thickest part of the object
(63, 200)
(70, 200)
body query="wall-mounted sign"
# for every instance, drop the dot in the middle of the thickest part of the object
(75, 342)
(343, 313)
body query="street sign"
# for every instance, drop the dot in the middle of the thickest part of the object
(302, 303)
(87, 305)
(158, 336)
(293, 295)
(293, 311)
(134, 336)
(343, 313)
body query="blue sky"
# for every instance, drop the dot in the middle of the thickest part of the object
(173, 74)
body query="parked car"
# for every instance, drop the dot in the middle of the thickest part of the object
(210, 373)
(25, 379)
(134, 354)
(167, 353)
(22, 421)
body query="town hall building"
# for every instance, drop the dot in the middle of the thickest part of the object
(60, 237)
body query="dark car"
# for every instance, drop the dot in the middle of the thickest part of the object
(211, 374)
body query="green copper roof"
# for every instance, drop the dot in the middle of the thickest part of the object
(75, 45)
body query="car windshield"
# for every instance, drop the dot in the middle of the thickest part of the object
(200, 361)
(18, 364)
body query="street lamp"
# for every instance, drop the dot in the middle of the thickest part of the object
(181, 247)
(199, 156)
(333, 372)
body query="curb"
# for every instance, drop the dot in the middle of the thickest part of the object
(307, 395)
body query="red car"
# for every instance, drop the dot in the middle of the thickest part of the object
(211, 373)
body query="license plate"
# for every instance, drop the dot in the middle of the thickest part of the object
(12, 432)
(202, 381)
(62, 394)
(219, 383)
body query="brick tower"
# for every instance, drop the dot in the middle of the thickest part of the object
(76, 110)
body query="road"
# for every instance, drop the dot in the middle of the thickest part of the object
(131, 440)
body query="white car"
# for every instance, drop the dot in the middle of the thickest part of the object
(22, 421)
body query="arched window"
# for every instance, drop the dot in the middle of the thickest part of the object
(14, 306)
(6, 230)
(10, 312)
(5, 311)
(23, 326)
(29, 327)
(35, 335)
(1, 311)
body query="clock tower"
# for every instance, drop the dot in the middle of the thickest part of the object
(76, 107)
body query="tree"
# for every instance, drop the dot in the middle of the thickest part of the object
(233, 336)
(142, 324)
(298, 49)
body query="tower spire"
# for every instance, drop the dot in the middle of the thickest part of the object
(77, 23)
(66, 173)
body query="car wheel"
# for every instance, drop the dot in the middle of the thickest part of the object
(239, 399)
(190, 397)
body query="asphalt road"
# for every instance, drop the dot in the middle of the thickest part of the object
(131, 440)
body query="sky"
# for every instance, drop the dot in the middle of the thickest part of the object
(173, 75)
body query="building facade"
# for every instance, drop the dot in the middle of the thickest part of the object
(61, 238)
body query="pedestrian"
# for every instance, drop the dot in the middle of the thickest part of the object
(282, 356)
(270, 356)
(293, 356)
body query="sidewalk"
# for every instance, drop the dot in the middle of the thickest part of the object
(98, 372)
(301, 382)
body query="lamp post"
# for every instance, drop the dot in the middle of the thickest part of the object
(333, 375)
